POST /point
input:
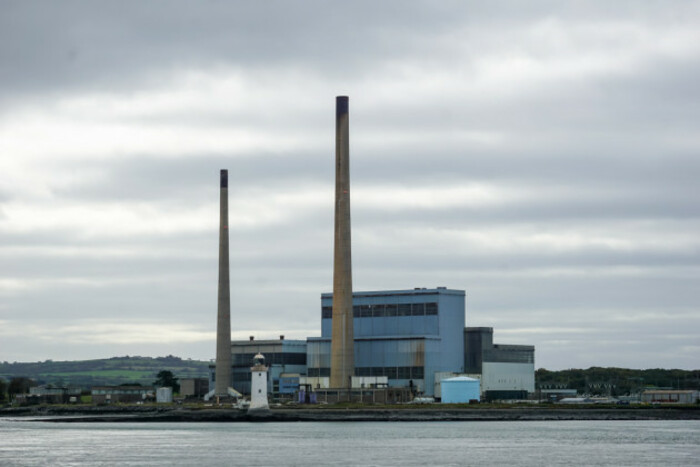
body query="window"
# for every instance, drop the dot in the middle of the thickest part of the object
(296, 358)
(326, 312)
(404, 309)
(431, 308)
(316, 372)
(404, 372)
(391, 310)
(365, 311)
(417, 372)
(418, 309)
(378, 310)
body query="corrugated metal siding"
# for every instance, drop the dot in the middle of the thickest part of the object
(419, 344)
(318, 354)
(389, 326)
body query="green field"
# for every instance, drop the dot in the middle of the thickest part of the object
(104, 372)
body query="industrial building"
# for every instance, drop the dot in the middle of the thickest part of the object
(49, 395)
(669, 396)
(284, 357)
(507, 371)
(405, 335)
(114, 394)
(194, 387)
(413, 338)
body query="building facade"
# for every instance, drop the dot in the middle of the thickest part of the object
(194, 387)
(49, 395)
(413, 338)
(669, 396)
(507, 371)
(114, 394)
(282, 356)
(405, 335)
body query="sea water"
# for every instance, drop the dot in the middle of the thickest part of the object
(541, 443)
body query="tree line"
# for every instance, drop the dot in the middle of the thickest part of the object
(616, 381)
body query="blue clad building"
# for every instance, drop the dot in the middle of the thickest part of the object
(406, 335)
(284, 358)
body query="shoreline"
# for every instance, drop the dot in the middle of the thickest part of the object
(340, 414)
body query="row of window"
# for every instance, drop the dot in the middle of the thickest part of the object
(391, 372)
(374, 311)
(509, 356)
(276, 358)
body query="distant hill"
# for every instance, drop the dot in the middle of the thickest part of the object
(616, 381)
(104, 372)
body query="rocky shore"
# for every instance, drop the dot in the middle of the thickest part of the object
(335, 414)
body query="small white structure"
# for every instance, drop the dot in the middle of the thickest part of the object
(315, 382)
(460, 389)
(575, 400)
(164, 395)
(258, 385)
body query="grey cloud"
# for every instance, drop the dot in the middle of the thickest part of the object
(610, 152)
(629, 186)
(194, 178)
(102, 44)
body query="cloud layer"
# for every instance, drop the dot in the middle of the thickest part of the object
(541, 156)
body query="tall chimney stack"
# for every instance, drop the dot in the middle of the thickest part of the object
(342, 339)
(223, 322)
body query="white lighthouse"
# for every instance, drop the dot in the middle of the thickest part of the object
(258, 386)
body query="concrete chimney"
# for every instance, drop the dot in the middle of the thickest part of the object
(223, 322)
(342, 338)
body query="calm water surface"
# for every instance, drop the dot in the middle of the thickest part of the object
(33, 443)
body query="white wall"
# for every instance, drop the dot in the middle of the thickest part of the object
(316, 382)
(258, 390)
(498, 376)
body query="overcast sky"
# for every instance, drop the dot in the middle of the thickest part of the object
(542, 156)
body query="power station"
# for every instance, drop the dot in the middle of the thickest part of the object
(377, 345)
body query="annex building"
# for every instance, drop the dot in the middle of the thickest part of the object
(507, 371)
